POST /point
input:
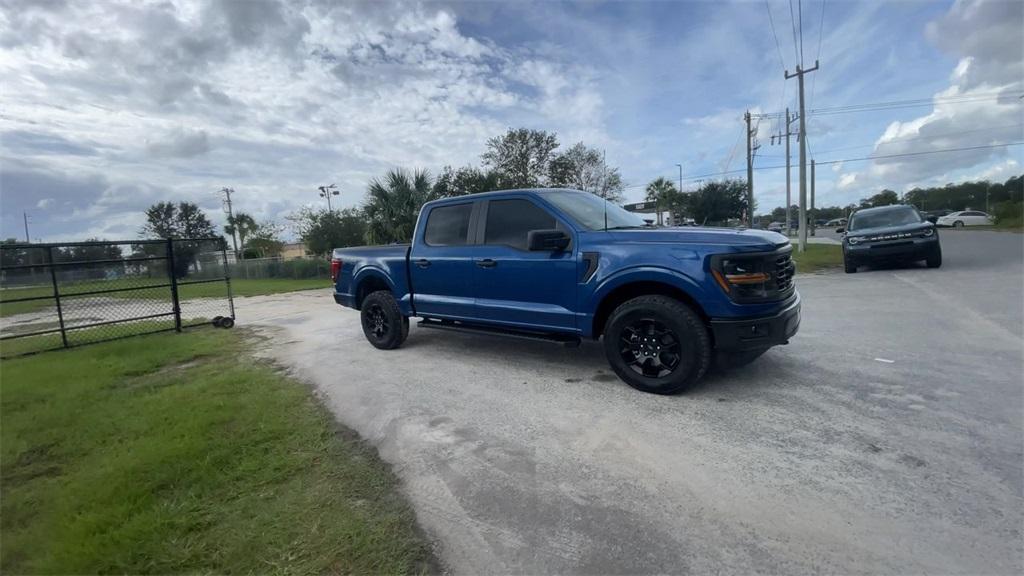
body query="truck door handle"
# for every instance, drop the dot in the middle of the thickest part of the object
(486, 263)
(423, 263)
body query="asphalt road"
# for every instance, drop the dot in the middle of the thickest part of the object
(888, 437)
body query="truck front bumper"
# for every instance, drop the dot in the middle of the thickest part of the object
(738, 335)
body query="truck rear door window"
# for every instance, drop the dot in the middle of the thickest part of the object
(509, 221)
(448, 225)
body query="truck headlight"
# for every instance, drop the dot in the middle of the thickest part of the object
(928, 232)
(853, 239)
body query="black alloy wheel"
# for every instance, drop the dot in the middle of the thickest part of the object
(650, 348)
(383, 323)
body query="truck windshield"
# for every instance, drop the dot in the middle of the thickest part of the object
(894, 216)
(588, 210)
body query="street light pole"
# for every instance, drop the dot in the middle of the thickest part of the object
(327, 192)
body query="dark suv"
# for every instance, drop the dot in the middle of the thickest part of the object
(889, 234)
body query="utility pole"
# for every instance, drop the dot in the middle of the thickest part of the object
(231, 218)
(789, 200)
(752, 146)
(803, 154)
(813, 225)
(24, 216)
(327, 192)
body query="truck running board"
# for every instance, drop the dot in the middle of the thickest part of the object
(566, 340)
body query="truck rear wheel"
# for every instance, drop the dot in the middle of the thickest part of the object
(657, 344)
(383, 323)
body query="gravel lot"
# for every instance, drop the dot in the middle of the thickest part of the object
(887, 437)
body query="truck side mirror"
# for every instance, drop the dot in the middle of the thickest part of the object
(547, 240)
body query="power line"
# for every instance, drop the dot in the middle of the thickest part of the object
(778, 46)
(792, 21)
(821, 32)
(893, 104)
(800, 11)
(929, 137)
(881, 157)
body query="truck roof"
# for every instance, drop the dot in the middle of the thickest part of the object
(537, 191)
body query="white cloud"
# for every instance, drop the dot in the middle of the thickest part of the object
(979, 110)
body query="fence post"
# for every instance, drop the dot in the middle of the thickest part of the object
(56, 297)
(174, 285)
(227, 276)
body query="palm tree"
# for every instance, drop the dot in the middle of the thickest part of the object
(243, 224)
(392, 205)
(664, 194)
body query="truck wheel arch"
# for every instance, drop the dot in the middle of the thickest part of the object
(368, 281)
(631, 289)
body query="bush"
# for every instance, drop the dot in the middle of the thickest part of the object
(280, 268)
(1009, 214)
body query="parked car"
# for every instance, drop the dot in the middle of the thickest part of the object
(965, 218)
(836, 223)
(934, 215)
(889, 233)
(562, 265)
(777, 226)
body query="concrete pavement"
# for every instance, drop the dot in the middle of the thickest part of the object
(887, 437)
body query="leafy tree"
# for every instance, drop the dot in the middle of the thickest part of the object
(965, 195)
(265, 240)
(181, 220)
(718, 201)
(324, 230)
(521, 157)
(883, 198)
(393, 204)
(243, 225)
(465, 180)
(584, 168)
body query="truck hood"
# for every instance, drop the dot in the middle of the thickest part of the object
(886, 230)
(701, 235)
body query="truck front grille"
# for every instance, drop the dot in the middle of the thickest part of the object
(784, 270)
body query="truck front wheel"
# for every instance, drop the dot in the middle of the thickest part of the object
(383, 323)
(657, 344)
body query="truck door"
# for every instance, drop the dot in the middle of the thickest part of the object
(515, 286)
(441, 263)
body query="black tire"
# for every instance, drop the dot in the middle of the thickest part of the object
(935, 260)
(640, 328)
(849, 265)
(227, 322)
(216, 321)
(383, 323)
(958, 224)
(728, 360)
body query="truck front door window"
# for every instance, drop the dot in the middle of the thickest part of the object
(509, 222)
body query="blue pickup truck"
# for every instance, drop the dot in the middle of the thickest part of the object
(563, 265)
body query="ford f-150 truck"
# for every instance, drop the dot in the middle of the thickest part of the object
(564, 265)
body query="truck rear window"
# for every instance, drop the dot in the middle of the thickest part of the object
(448, 225)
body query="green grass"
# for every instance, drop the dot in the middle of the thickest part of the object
(253, 287)
(818, 257)
(239, 287)
(165, 454)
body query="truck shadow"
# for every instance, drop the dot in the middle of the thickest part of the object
(585, 364)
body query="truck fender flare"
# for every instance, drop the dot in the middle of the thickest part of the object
(656, 274)
(367, 272)
(668, 276)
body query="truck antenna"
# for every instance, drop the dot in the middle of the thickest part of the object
(605, 212)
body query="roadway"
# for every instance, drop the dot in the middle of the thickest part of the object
(888, 437)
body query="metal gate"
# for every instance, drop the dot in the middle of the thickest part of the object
(68, 294)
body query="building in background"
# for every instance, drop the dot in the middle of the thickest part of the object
(294, 250)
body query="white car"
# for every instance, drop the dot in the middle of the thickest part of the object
(964, 218)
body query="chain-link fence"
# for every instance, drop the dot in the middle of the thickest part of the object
(64, 295)
(297, 268)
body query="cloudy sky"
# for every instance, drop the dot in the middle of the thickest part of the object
(107, 106)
